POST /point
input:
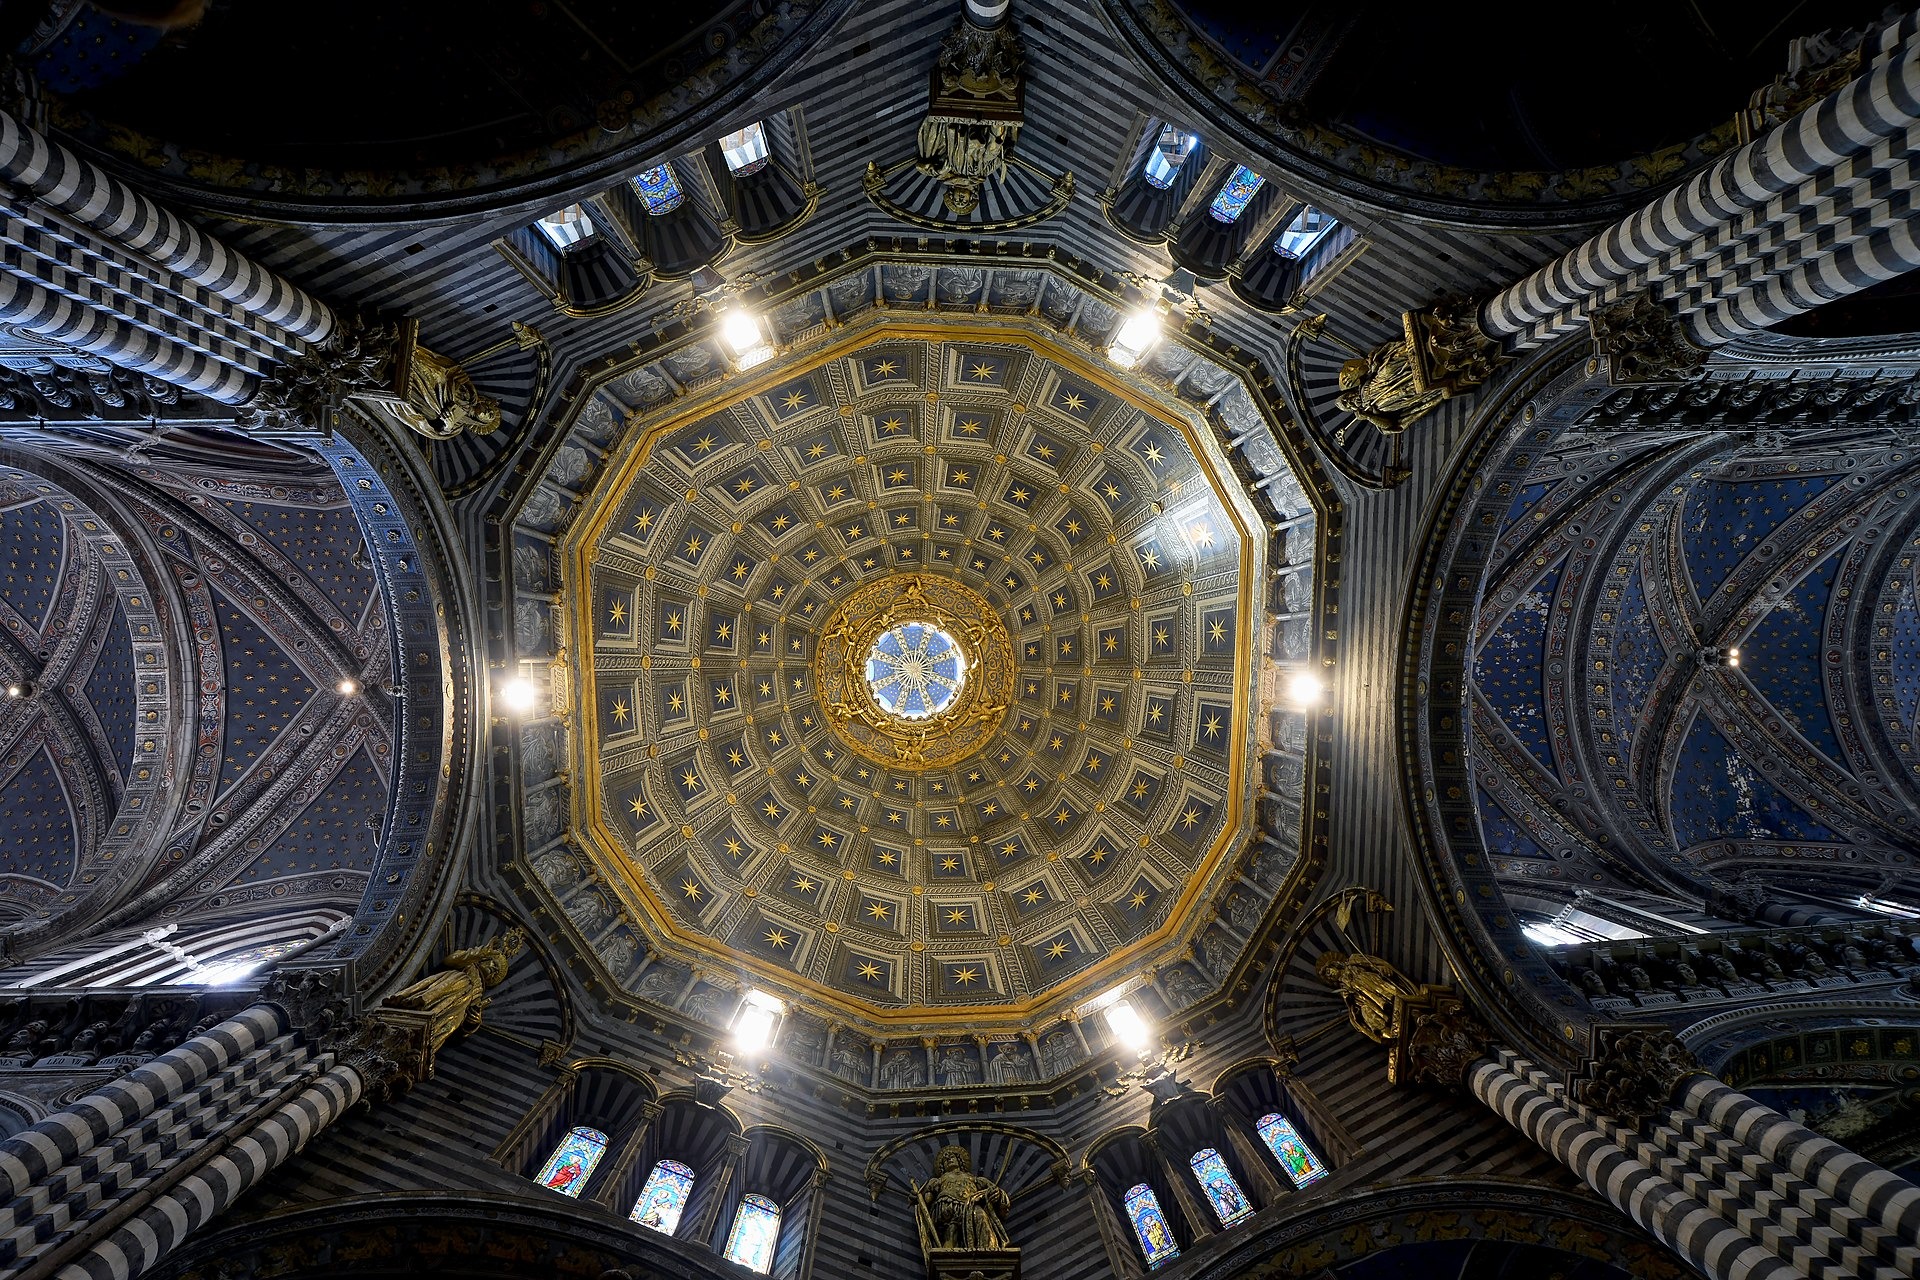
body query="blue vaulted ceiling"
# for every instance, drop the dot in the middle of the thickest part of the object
(1617, 575)
(286, 796)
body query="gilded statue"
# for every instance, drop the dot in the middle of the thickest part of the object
(1373, 991)
(958, 1209)
(442, 402)
(1441, 355)
(456, 994)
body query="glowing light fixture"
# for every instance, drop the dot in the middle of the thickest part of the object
(745, 337)
(19, 688)
(219, 975)
(348, 686)
(519, 695)
(1128, 1027)
(1139, 334)
(1733, 657)
(1549, 935)
(756, 1022)
(1305, 690)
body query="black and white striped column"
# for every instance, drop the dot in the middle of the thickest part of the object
(109, 1186)
(39, 168)
(988, 14)
(1733, 247)
(1734, 1187)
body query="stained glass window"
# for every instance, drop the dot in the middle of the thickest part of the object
(1291, 1150)
(1168, 154)
(1305, 231)
(664, 1197)
(1151, 1225)
(659, 190)
(566, 228)
(573, 1160)
(1229, 1202)
(1243, 186)
(756, 1229)
(746, 150)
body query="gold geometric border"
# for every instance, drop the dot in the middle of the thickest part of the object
(576, 567)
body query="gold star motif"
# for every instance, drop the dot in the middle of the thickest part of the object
(1064, 816)
(1099, 855)
(966, 977)
(743, 486)
(869, 970)
(734, 848)
(884, 368)
(1190, 818)
(643, 521)
(1072, 402)
(694, 547)
(620, 711)
(892, 425)
(1056, 951)
(781, 521)
(1008, 849)
(693, 891)
(1044, 452)
(1140, 789)
(1093, 764)
(956, 917)
(1138, 900)
(828, 839)
(879, 910)
(723, 632)
(1150, 558)
(794, 399)
(675, 702)
(689, 779)
(1213, 726)
(888, 859)
(1031, 896)
(673, 623)
(1203, 535)
(617, 612)
(776, 938)
(1217, 631)
(1154, 711)
(638, 807)
(771, 810)
(704, 444)
(949, 864)
(735, 759)
(1152, 453)
(982, 370)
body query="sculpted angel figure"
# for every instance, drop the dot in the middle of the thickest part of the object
(1371, 989)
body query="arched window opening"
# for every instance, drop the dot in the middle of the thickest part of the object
(1290, 1149)
(1230, 1203)
(567, 228)
(573, 1161)
(1308, 228)
(1168, 154)
(746, 150)
(1150, 1225)
(756, 1229)
(1235, 194)
(659, 190)
(664, 1198)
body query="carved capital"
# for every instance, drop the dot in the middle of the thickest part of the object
(1644, 343)
(316, 1002)
(305, 393)
(1443, 1042)
(1634, 1073)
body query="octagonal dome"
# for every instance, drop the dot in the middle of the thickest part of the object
(747, 571)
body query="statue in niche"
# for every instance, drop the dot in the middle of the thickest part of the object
(958, 1070)
(455, 995)
(1184, 989)
(850, 1060)
(958, 1209)
(1008, 1065)
(1372, 990)
(903, 1070)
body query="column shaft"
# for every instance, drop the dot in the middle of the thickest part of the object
(55, 176)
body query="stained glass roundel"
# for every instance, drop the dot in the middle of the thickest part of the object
(915, 670)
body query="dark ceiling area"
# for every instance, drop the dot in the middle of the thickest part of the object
(1523, 86)
(433, 83)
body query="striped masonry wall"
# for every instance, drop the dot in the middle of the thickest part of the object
(49, 173)
(1763, 185)
(110, 1185)
(1734, 1187)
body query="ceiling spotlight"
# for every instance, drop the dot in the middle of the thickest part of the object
(519, 695)
(1128, 1027)
(1733, 657)
(1139, 334)
(348, 686)
(1304, 689)
(756, 1022)
(19, 688)
(745, 337)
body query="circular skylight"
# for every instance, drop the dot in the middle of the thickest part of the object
(915, 670)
